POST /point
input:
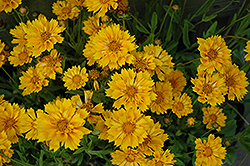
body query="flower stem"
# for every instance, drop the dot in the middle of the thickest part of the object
(183, 64)
(180, 155)
(243, 160)
(237, 37)
(206, 133)
(18, 162)
(18, 15)
(198, 10)
(140, 24)
(9, 76)
(238, 113)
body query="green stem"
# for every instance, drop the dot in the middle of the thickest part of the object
(183, 9)
(15, 18)
(18, 15)
(80, 23)
(243, 4)
(206, 133)
(123, 25)
(164, 19)
(18, 162)
(134, 6)
(238, 113)
(237, 37)
(9, 76)
(224, 7)
(245, 65)
(243, 160)
(66, 30)
(195, 101)
(140, 24)
(183, 64)
(170, 28)
(198, 10)
(180, 155)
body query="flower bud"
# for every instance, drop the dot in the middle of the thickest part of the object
(35, 14)
(62, 23)
(167, 120)
(157, 41)
(227, 143)
(105, 18)
(175, 7)
(96, 85)
(23, 10)
(190, 121)
(6, 48)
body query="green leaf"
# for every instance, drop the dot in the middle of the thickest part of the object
(229, 129)
(141, 29)
(80, 150)
(185, 34)
(204, 8)
(179, 162)
(153, 22)
(208, 18)
(230, 157)
(211, 30)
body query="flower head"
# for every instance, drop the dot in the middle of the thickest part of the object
(61, 126)
(247, 49)
(3, 54)
(5, 146)
(19, 33)
(214, 118)
(75, 78)
(190, 121)
(127, 127)
(209, 152)
(110, 47)
(177, 80)
(32, 81)
(43, 34)
(182, 105)
(65, 10)
(214, 53)
(7, 6)
(131, 89)
(162, 158)
(20, 55)
(93, 25)
(80, 3)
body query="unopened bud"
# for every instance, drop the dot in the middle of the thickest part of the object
(6, 48)
(104, 74)
(175, 7)
(157, 41)
(62, 23)
(167, 120)
(23, 10)
(35, 14)
(215, 125)
(120, 12)
(105, 18)
(227, 143)
(96, 85)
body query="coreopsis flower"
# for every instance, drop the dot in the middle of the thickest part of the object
(155, 139)
(88, 106)
(100, 7)
(177, 80)
(50, 65)
(210, 87)
(163, 100)
(209, 152)
(100, 126)
(127, 128)
(5, 146)
(7, 6)
(93, 25)
(182, 105)
(143, 62)
(127, 157)
(214, 118)
(80, 3)
(110, 47)
(3, 54)
(131, 89)
(43, 34)
(65, 9)
(10, 120)
(162, 60)
(19, 33)
(123, 6)
(236, 82)
(247, 49)
(214, 53)
(190, 121)
(62, 125)
(2, 101)
(162, 158)
(75, 78)
(32, 81)
(20, 55)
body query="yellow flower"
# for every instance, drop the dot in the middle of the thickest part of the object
(155, 139)
(209, 152)
(163, 100)
(61, 126)
(131, 89)
(162, 60)
(65, 10)
(43, 34)
(10, 120)
(5, 146)
(214, 53)
(19, 33)
(236, 82)
(127, 127)
(93, 25)
(80, 3)
(20, 55)
(190, 121)
(143, 62)
(214, 118)
(247, 49)
(100, 7)
(32, 81)
(7, 6)
(211, 88)
(3, 54)
(50, 65)
(75, 78)
(162, 158)
(110, 47)
(177, 80)
(127, 157)
(100, 126)
(2, 101)
(182, 105)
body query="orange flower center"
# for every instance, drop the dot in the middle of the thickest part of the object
(23, 55)
(207, 88)
(130, 158)
(212, 54)
(208, 152)
(147, 140)
(140, 65)
(159, 97)
(113, 46)
(66, 10)
(131, 91)
(6, 1)
(45, 36)
(128, 127)
(9, 123)
(230, 82)
(35, 79)
(179, 106)
(62, 125)
(159, 163)
(76, 79)
(104, 1)
(213, 117)
(94, 74)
